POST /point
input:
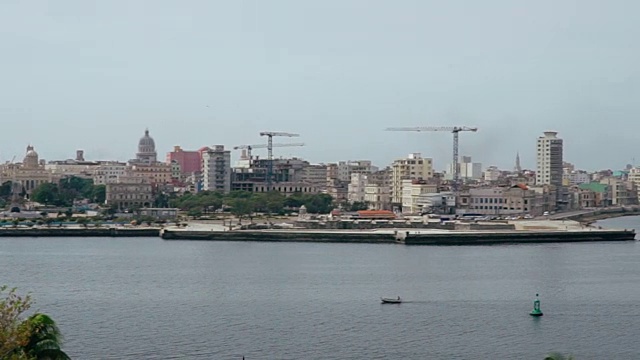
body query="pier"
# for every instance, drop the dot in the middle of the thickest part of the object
(521, 232)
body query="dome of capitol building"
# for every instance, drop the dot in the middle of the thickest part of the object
(146, 145)
(31, 158)
(146, 149)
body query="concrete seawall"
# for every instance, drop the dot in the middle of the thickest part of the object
(403, 236)
(332, 236)
(79, 232)
(519, 237)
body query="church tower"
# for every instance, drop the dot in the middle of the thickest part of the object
(518, 168)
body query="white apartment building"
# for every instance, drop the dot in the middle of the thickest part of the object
(634, 178)
(356, 188)
(575, 177)
(346, 168)
(216, 169)
(468, 169)
(83, 169)
(549, 159)
(413, 167)
(492, 174)
(378, 196)
(413, 192)
(109, 172)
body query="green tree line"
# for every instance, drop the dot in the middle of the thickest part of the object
(244, 203)
(67, 190)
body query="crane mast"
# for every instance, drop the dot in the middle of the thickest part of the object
(270, 135)
(455, 184)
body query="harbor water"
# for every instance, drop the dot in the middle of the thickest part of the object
(145, 298)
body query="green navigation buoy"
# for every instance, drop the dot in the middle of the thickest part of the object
(536, 308)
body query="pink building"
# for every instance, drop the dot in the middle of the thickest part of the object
(190, 161)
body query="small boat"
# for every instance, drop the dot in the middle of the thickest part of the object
(391, 300)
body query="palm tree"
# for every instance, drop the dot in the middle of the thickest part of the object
(45, 339)
(558, 356)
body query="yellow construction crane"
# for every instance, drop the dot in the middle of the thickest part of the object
(452, 129)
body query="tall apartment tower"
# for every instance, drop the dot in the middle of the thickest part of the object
(216, 169)
(549, 159)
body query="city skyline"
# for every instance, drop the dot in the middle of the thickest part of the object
(440, 165)
(93, 76)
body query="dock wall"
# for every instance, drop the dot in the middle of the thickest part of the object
(405, 236)
(79, 232)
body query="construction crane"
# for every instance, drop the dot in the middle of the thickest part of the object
(262, 146)
(270, 135)
(453, 129)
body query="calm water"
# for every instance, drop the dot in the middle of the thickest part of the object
(148, 298)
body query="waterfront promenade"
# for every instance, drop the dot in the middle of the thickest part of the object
(593, 214)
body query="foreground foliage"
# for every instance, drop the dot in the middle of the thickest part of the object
(35, 338)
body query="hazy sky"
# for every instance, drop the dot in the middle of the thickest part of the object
(93, 74)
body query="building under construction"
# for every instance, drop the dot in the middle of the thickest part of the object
(288, 176)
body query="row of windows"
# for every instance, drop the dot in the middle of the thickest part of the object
(494, 201)
(490, 207)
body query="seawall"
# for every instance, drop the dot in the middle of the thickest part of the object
(79, 232)
(331, 236)
(590, 216)
(403, 236)
(519, 237)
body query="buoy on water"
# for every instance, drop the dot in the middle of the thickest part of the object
(536, 308)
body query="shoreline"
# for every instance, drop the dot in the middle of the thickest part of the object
(513, 232)
(403, 236)
(80, 232)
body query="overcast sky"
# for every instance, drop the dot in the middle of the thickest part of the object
(92, 75)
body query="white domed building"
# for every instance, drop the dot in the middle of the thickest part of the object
(27, 175)
(146, 164)
(147, 150)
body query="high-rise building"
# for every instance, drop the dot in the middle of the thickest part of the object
(216, 169)
(549, 159)
(466, 169)
(413, 167)
(190, 162)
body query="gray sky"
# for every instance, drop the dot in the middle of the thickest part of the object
(94, 74)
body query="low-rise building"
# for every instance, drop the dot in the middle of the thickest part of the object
(620, 193)
(602, 193)
(129, 192)
(514, 200)
(160, 213)
(155, 173)
(378, 197)
(109, 172)
(412, 191)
